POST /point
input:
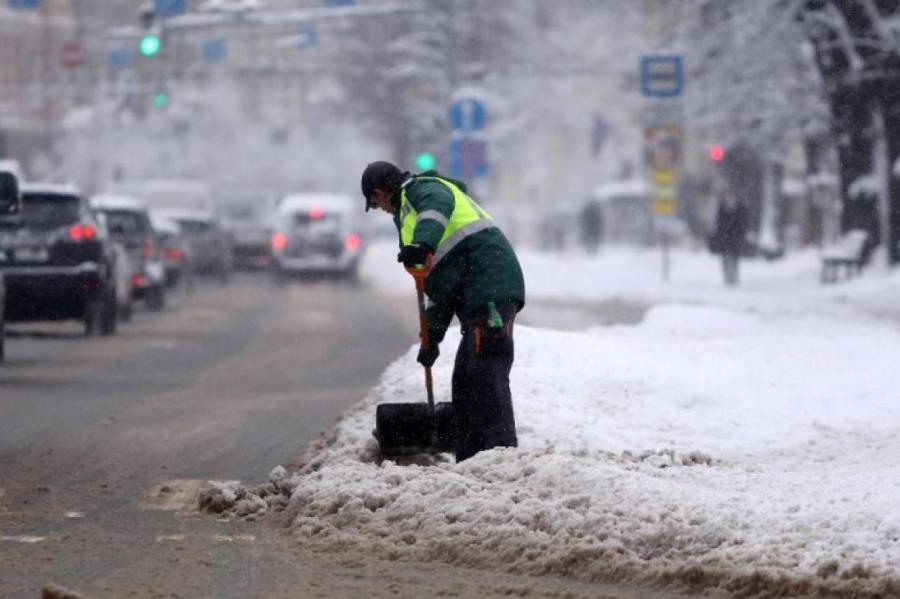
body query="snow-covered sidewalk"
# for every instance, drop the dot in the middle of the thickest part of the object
(729, 441)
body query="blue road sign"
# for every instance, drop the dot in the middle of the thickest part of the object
(119, 59)
(468, 158)
(662, 75)
(169, 8)
(339, 2)
(307, 36)
(468, 114)
(24, 4)
(214, 50)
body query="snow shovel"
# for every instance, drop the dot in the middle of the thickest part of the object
(410, 428)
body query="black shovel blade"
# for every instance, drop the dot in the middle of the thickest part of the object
(410, 428)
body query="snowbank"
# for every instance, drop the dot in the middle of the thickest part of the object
(632, 276)
(706, 447)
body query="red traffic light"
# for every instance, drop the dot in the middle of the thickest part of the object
(717, 153)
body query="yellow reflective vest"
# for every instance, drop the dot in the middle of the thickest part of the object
(467, 218)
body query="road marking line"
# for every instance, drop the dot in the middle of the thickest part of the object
(23, 539)
(74, 515)
(231, 538)
(161, 538)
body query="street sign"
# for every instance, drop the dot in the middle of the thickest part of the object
(662, 75)
(214, 50)
(169, 8)
(119, 59)
(24, 4)
(71, 55)
(468, 114)
(307, 36)
(468, 157)
(339, 2)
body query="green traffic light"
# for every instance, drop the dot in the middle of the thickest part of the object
(426, 161)
(150, 45)
(160, 100)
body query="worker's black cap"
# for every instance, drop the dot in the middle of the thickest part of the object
(379, 175)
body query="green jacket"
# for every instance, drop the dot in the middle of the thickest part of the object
(482, 268)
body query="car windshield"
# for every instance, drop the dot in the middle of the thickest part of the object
(47, 211)
(125, 224)
(192, 227)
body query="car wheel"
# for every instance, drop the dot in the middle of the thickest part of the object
(109, 316)
(93, 313)
(155, 298)
(351, 275)
(126, 311)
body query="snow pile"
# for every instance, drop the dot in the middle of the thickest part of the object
(705, 448)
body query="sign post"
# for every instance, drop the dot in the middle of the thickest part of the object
(662, 81)
(468, 147)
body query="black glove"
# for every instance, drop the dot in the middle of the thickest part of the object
(414, 255)
(428, 356)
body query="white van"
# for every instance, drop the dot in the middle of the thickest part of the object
(317, 233)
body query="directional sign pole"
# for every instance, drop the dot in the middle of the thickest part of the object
(662, 80)
(468, 147)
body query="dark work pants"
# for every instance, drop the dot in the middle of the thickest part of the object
(482, 402)
(730, 268)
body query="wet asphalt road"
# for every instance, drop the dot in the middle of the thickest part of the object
(105, 442)
(223, 384)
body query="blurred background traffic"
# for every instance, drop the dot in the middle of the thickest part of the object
(213, 135)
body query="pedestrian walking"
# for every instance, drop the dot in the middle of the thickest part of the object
(474, 275)
(729, 237)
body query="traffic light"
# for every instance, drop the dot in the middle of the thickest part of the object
(150, 44)
(717, 153)
(425, 161)
(160, 100)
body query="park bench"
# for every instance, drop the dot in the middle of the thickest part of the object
(847, 254)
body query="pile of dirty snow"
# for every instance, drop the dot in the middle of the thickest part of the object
(706, 448)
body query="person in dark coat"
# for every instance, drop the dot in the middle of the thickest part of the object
(474, 276)
(590, 222)
(731, 231)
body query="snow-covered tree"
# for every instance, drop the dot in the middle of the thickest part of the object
(857, 46)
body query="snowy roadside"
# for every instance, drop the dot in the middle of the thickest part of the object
(633, 276)
(706, 448)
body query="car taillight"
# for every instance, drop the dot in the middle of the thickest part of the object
(139, 280)
(279, 241)
(352, 241)
(173, 253)
(315, 213)
(81, 232)
(149, 247)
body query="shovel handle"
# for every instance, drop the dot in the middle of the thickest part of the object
(419, 274)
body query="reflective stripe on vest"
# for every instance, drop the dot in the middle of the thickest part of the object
(467, 218)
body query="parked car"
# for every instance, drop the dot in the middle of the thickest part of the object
(248, 224)
(9, 205)
(129, 224)
(172, 249)
(60, 261)
(317, 233)
(209, 248)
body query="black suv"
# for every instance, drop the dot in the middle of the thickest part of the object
(58, 260)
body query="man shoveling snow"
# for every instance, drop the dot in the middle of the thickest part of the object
(475, 275)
